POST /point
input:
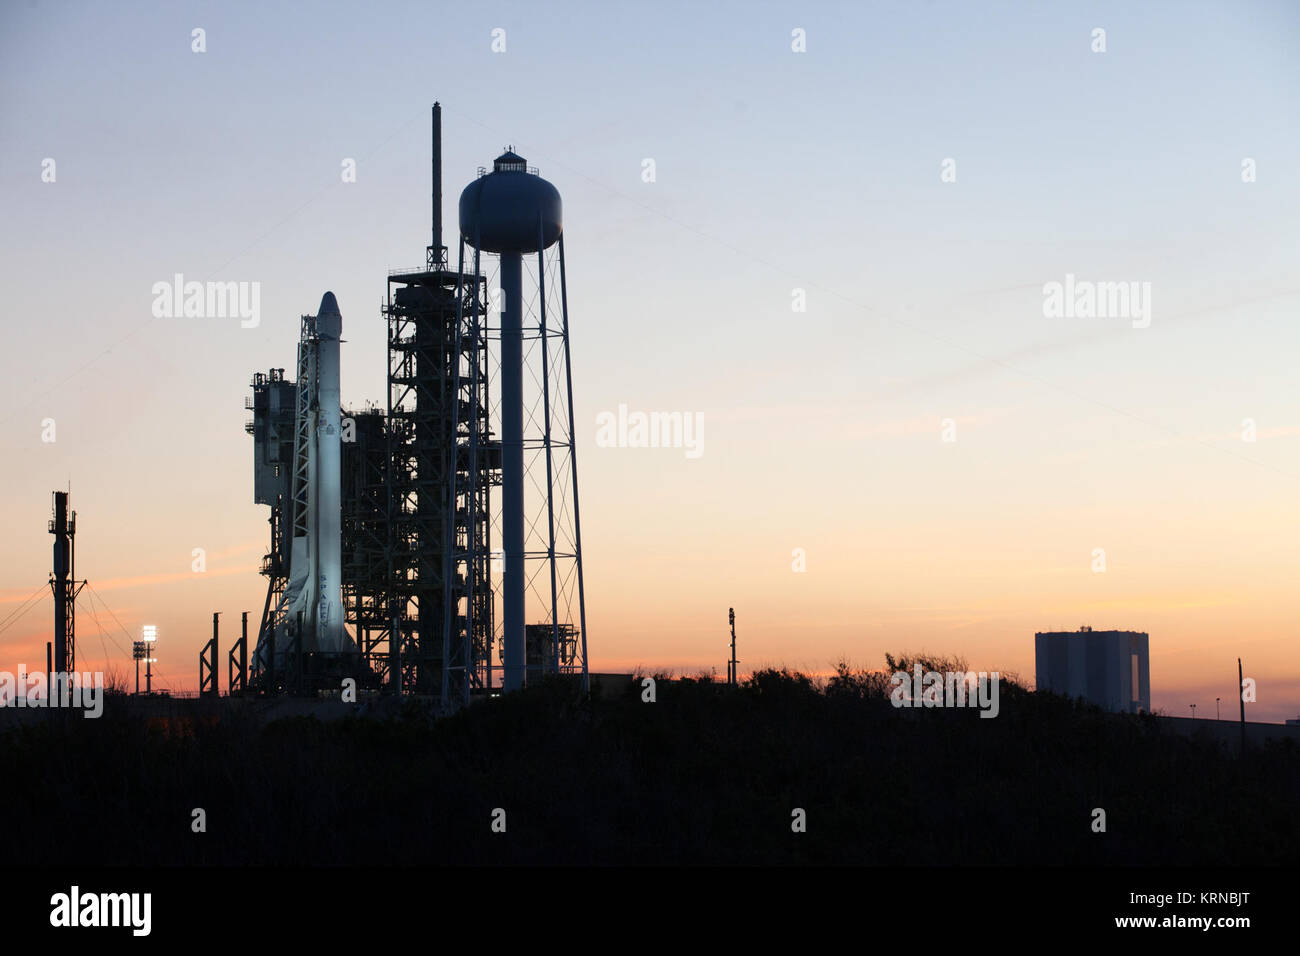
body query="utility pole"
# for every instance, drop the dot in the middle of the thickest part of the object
(732, 677)
(1241, 696)
(1217, 715)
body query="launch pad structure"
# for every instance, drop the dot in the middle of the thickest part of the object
(382, 566)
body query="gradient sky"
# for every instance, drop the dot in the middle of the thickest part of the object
(775, 170)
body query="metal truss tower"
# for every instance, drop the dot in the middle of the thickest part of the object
(437, 388)
(428, 406)
(273, 404)
(365, 540)
(63, 585)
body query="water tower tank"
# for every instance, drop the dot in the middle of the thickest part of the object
(513, 214)
(500, 211)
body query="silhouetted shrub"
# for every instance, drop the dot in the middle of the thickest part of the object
(708, 773)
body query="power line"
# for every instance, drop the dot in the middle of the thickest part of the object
(104, 604)
(100, 628)
(21, 611)
(38, 590)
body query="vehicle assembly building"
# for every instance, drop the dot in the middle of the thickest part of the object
(431, 546)
(1111, 669)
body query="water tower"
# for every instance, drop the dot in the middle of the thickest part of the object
(511, 224)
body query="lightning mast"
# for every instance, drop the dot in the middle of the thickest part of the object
(64, 585)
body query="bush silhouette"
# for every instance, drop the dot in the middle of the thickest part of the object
(708, 773)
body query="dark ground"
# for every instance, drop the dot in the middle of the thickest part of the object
(706, 774)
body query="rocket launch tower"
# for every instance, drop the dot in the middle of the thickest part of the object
(384, 521)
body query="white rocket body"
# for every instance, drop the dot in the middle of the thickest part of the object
(328, 581)
(315, 586)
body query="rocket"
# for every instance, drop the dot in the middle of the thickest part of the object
(314, 591)
(330, 636)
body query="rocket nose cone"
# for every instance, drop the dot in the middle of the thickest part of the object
(328, 320)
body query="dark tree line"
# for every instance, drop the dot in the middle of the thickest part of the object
(705, 774)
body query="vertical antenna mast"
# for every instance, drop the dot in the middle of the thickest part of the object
(63, 582)
(436, 254)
